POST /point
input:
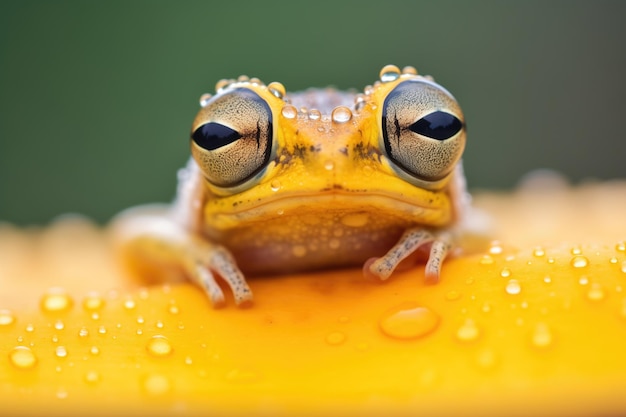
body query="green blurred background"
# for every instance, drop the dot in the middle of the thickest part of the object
(97, 98)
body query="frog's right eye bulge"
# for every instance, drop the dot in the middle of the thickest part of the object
(232, 137)
(422, 130)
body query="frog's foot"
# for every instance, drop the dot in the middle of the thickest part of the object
(382, 268)
(218, 260)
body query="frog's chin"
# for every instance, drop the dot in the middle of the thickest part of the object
(352, 207)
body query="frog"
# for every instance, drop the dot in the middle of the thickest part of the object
(283, 183)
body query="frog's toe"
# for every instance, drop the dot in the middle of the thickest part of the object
(206, 279)
(224, 264)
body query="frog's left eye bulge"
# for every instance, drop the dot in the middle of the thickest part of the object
(232, 137)
(423, 132)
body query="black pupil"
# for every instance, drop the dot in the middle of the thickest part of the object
(437, 125)
(214, 135)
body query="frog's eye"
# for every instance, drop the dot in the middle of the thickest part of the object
(422, 129)
(231, 138)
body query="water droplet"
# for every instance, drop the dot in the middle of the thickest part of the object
(547, 279)
(92, 377)
(204, 99)
(341, 114)
(583, 280)
(156, 384)
(188, 360)
(335, 338)
(173, 309)
(129, 304)
(408, 321)
(624, 267)
(141, 320)
(513, 287)
(620, 247)
(102, 330)
(453, 295)
(277, 89)
(486, 260)
(550, 260)
(486, 308)
(468, 331)
(299, 250)
(495, 248)
(159, 324)
(596, 292)
(613, 260)
(275, 185)
(222, 84)
(243, 78)
(255, 81)
(329, 165)
(539, 252)
(541, 336)
(55, 339)
(30, 328)
(409, 70)
(389, 73)
(22, 357)
(83, 332)
(579, 261)
(505, 273)
(159, 346)
(56, 300)
(289, 112)
(6, 317)
(94, 350)
(59, 325)
(93, 302)
(314, 114)
(139, 332)
(60, 352)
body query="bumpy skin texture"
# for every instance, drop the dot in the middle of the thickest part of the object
(283, 183)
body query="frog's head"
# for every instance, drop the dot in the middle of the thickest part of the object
(401, 139)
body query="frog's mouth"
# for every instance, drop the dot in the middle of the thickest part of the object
(433, 209)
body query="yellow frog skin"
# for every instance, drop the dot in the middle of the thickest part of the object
(282, 183)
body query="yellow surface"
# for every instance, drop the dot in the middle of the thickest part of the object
(514, 330)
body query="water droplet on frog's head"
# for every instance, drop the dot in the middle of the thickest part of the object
(204, 99)
(410, 70)
(6, 317)
(277, 89)
(243, 78)
(579, 261)
(541, 336)
(576, 250)
(513, 287)
(314, 114)
(389, 73)
(335, 338)
(341, 114)
(222, 84)
(408, 321)
(596, 292)
(275, 185)
(289, 112)
(255, 81)
(468, 331)
(22, 357)
(329, 165)
(360, 100)
(56, 300)
(159, 346)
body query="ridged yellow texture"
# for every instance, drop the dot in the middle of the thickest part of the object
(533, 325)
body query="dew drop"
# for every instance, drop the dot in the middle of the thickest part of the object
(468, 331)
(496, 248)
(341, 114)
(188, 360)
(289, 112)
(613, 260)
(173, 309)
(453, 295)
(102, 330)
(94, 350)
(159, 324)
(159, 346)
(83, 332)
(6, 318)
(275, 185)
(141, 320)
(277, 89)
(156, 384)
(550, 260)
(620, 247)
(95, 316)
(389, 73)
(93, 302)
(129, 304)
(329, 165)
(486, 260)
(547, 279)
(486, 308)
(22, 357)
(139, 332)
(204, 99)
(59, 325)
(539, 252)
(409, 70)
(408, 321)
(314, 114)
(579, 261)
(335, 338)
(222, 84)
(60, 352)
(55, 300)
(92, 377)
(299, 251)
(583, 280)
(596, 292)
(513, 287)
(541, 336)
(505, 273)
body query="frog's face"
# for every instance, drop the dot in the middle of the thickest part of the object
(393, 151)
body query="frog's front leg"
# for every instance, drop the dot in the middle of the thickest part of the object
(156, 241)
(412, 239)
